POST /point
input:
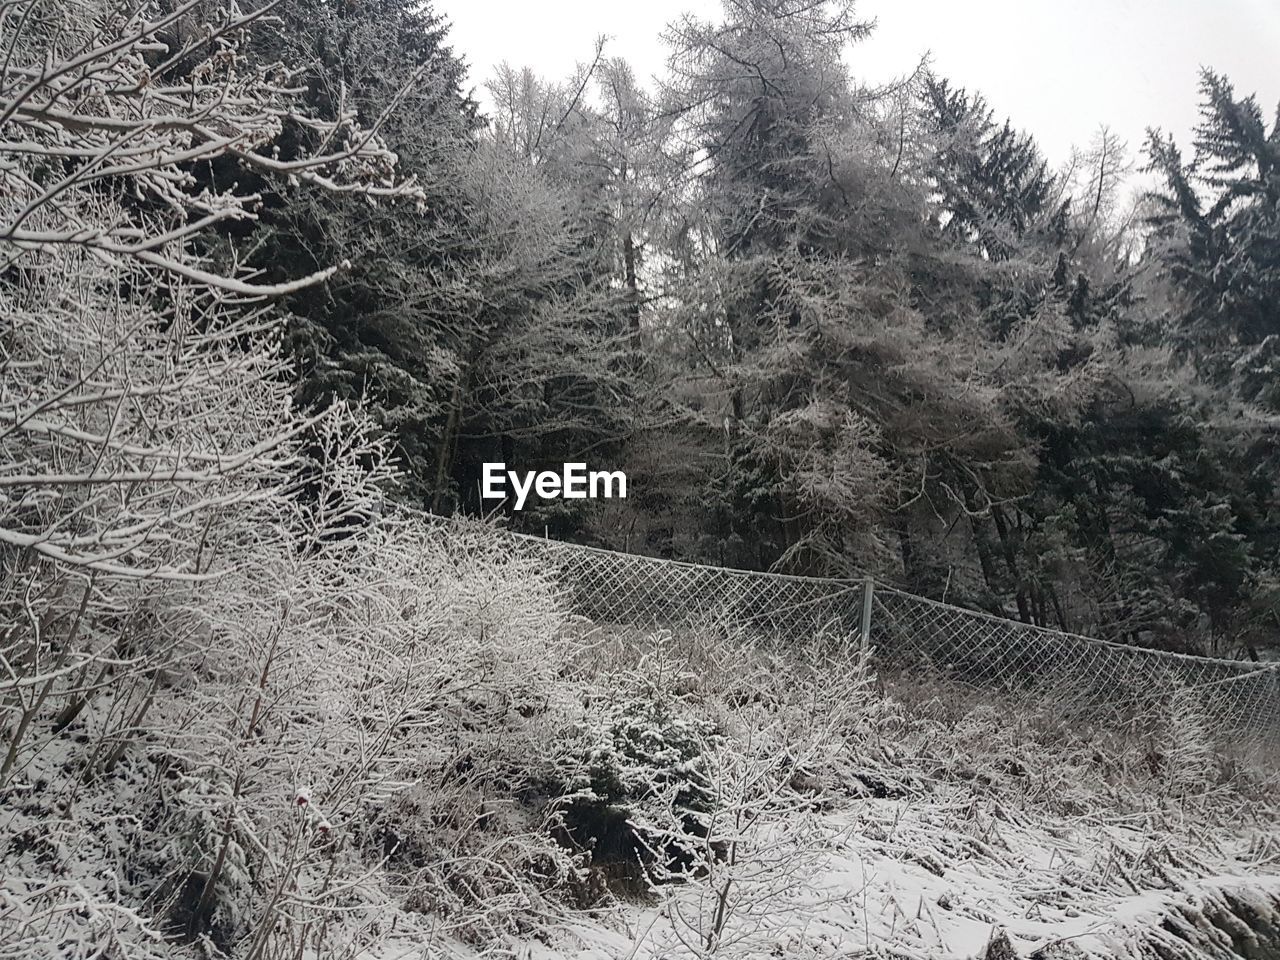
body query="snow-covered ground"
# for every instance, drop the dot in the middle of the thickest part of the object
(889, 877)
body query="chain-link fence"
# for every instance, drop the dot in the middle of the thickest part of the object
(1091, 679)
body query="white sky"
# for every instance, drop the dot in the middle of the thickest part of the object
(1058, 68)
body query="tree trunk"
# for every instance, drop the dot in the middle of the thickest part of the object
(1011, 561)
(449, 439)
(633, 291)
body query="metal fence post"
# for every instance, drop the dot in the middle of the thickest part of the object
(868, 594)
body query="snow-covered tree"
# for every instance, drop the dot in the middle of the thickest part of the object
(153, 483)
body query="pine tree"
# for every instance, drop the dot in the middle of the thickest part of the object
(1216, 225)
(993, 183)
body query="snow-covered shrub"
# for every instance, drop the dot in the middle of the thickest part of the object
(649, 748)
(776, 741)
(188, 645)
(633, 776)
(395, 680)
(60, 918)
(702, 762)
(467, 839)
(1184, 754)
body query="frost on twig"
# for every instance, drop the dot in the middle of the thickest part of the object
(106, 101)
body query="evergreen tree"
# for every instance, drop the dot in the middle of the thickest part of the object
(992, 182)
(1216, 226)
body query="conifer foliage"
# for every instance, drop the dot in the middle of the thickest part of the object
(826, 327)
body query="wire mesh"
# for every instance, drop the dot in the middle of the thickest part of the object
(1093, 679)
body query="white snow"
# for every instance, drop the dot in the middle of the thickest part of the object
(931, 882)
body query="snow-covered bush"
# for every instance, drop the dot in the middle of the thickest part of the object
(701, 764)
(466, 840)
(148, 441)
(176, 605)
(649, 748)
(1184, 754)
(789, 719)
(385, 685)
(633, 775)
